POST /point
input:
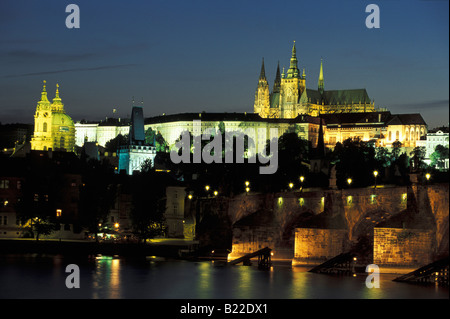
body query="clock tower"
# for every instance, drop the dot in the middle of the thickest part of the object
(42, 137)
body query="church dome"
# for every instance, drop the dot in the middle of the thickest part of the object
(61, 119)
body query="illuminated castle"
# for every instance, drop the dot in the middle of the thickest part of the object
(53, 128)
(290, 97)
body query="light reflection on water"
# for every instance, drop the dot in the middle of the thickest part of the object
(32, 276)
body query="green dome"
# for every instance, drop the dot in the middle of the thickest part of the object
(61, 119)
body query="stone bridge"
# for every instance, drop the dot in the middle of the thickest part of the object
(401, 225)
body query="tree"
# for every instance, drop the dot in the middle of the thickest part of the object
(97, 194)
(383, 157)
(354, 159)
(438, 157)
(41, 196)
(396, 148)
(39, 226)
(113, 145)
(148, 204)
(157, 140)
(418, 156)
(293, 152)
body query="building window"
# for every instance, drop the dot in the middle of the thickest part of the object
(58, 212)
(5, 220)
(44, 127)
(397, 135)
(4, 183)
(390, 136)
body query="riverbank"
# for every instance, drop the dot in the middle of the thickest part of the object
(160, 248)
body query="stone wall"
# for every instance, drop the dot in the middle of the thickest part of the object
(403, 247)
(315, 246)
(247, 239)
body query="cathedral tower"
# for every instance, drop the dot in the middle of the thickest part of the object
(292, 87)
(262, 94)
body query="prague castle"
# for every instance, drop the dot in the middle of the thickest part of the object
(53, 128)
(288, 107)
(290, 97)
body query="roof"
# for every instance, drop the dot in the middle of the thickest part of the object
(373, 118)
(406, 119)
(346, 96)
(356, 118)
(217, 117)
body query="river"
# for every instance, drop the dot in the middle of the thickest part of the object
(43, 277)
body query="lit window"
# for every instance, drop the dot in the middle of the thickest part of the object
(4, 183)
(58, 212)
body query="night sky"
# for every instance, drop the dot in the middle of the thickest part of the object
(193, 55)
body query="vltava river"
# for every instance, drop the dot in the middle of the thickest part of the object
(43, 277)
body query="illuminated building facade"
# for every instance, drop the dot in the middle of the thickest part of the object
(383, 127)
(290, 97)
(171, 126)
(53, 128)
(100, 132)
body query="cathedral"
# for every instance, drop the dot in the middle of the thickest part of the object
(53, 128)
(290, 97)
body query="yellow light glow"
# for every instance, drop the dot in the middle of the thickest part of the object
(216, 193)
(375, 173)
(291, 185)
(116, 225)
(190, 196)
(247, 189)
(302, 179)
(58, 212)
(349, 181)
(247, 183)
(207, 187)
(427, 175)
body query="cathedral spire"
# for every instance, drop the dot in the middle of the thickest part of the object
(320, 83)
(262, 75)
(277, 84)
(293, 71)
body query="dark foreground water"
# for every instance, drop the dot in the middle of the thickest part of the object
(32, 276)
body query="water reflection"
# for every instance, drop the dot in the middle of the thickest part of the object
(107, 277)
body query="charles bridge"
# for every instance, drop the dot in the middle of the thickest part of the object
(386, 225)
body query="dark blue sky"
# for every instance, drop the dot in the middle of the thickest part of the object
(194, 55)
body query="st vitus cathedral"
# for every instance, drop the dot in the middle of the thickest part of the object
(290, 97)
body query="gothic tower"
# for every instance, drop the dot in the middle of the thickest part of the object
(262, 94)
(292, 87)
(320, 82)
